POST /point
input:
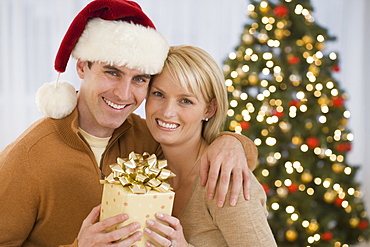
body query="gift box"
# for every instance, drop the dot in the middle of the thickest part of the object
(137, 186)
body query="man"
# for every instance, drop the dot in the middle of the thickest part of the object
(50, 174)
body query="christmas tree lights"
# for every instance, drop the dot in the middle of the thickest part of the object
(283, 95)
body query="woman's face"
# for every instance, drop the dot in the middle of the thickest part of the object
(174, 115)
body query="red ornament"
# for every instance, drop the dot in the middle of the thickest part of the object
(338, 102)
(295, 103)
(363, 224)
(338, 202)
(344, 147)
(278, 114)
(312, 142)
(266, 188)
(327, 236)
(293, 59)
(281, 11)
(336, 68)
(245, 125)
(293, 188)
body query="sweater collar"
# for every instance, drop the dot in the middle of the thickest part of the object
(68, 130)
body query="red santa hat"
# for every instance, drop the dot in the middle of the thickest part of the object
(116, 32)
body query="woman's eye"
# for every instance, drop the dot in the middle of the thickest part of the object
(186, 101)
(158, 94)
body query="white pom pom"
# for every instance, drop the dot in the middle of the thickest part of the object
(56, 100)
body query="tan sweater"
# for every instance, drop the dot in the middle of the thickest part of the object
(244, 225)
(50, 179)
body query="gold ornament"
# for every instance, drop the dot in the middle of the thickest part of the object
(264, 9)
(306, 177)
(307, 39)
(247, 38)
(279, 33)
(291, 235)
(343, 121)
(338, 168)
(297, 140)
(330, 196)
(253, 79)
(282, 192)
(320, 46)
(313, 227)
(354, 222)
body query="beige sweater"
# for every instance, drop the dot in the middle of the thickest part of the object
(244, 225)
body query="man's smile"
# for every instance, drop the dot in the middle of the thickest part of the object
(113, 105)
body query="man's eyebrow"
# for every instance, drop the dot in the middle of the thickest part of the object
(112, 68)
(148, 76)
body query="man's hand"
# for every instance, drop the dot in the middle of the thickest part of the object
(223, 158)
(92, 233)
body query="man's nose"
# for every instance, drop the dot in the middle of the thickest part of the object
(123, 90)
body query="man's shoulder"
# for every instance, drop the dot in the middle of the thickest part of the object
(137, 122)
(32, 135)
(134, 118)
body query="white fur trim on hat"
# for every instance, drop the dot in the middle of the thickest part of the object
(56, 99)
(122, 44)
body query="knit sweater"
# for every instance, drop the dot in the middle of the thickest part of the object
(245, 225)
(50, 179)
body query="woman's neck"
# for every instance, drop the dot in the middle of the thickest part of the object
(181, 158)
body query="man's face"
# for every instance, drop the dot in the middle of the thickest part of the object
(108, 95)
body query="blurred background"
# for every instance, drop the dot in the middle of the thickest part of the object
(31, 31)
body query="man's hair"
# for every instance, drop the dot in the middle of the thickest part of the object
(89, 64)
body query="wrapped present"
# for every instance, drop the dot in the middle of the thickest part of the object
(138, 187)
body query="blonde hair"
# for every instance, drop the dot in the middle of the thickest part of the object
(194, 68)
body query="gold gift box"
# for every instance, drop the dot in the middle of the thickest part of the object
(140, 207)
(137, 187)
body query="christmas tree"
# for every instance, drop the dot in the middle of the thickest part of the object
(283, 95)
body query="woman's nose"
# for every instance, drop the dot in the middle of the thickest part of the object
(169, 109)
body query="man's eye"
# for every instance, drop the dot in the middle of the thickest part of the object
(140, 79)
(112, 73)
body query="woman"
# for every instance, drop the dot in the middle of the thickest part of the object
(185, 109)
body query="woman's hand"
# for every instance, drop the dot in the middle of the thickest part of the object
(173, 234)
(92, 233)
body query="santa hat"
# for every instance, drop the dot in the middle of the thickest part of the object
(116, 32)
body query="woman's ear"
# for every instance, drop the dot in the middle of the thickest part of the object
(211, 109)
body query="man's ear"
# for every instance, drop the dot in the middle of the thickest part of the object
(81, 66)
(211, 109)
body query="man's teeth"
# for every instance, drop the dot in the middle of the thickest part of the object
(167, 125)
(113, 105)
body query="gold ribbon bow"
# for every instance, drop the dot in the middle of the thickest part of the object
(141, 173)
